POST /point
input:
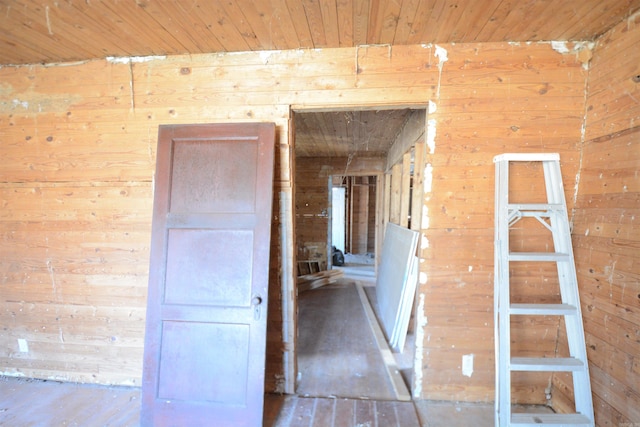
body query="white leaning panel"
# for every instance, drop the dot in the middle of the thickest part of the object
(393, 289)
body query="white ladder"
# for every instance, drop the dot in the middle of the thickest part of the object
(553, 215)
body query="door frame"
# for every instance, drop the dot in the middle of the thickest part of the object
(288, 240)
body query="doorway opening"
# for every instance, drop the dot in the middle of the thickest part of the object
(344, 197)
(353, 223)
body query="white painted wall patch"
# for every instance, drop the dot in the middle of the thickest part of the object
(421, 322)
(442, 54)
(432, 107)
(467, 365)
(560, 46)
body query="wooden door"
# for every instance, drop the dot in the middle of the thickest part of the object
(207, 303)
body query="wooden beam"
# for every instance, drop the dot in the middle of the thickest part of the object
(379, 217)
(308, 282)
(396, 189)
(399, 387)
(417, 193)
(412, 132)
(405, 190)
(386, 210)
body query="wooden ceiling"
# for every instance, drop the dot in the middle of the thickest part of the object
(51, 31)
(36, 31)
(368, 133)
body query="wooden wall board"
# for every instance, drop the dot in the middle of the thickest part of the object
(410, 134)
(312, 200)
(462, 183)
(386, 214)
(372, 220)
(124, 112)
(405, 192)
(360, 215)
(417, 185)
(395, 197)
(610, 105)
(604, 235)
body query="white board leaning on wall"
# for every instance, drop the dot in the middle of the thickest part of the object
(396, 282)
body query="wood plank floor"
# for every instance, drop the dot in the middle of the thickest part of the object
(337, 353)
(293, 411)
(35, 403)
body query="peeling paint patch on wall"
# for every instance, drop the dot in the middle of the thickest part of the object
(421, 322)
(34, 102)
(428, 182)
(134, 59)
(582, 49)
(431, 135)
(442, 55)
(560, 46)
(467, 365)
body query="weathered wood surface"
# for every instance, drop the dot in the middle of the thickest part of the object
(606, 235)
(338, 353)
(479, 111)
(37, 31)
(340, 412)
(32, 403)
(72, 132)
(311, 281)
(28, 403)
(313, 200)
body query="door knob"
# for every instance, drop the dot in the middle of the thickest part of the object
(255, 302)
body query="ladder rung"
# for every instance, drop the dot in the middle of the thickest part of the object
(543, 309)
(557, 420)
(535, 207)
(538, 256)
(527, 157)
(546, 364)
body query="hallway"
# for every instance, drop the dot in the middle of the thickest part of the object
(338, 356)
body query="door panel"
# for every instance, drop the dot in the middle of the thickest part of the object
(209, 267)
(206, 316)
(186, 369)
(226, 168)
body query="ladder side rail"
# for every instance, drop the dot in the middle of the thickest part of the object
(496, 292)
(502, 285)
(567, 277)
(561, 234)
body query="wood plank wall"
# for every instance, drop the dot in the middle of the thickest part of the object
(78, 152)
(312, 201)
(606, 232)
(509, 99)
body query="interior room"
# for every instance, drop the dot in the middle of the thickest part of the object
(402, 105)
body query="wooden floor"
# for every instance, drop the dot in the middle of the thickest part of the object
(294, 411)
(35, 403)
(337, 353)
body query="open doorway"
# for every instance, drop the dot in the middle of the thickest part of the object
(353, 223)
(350, 151)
